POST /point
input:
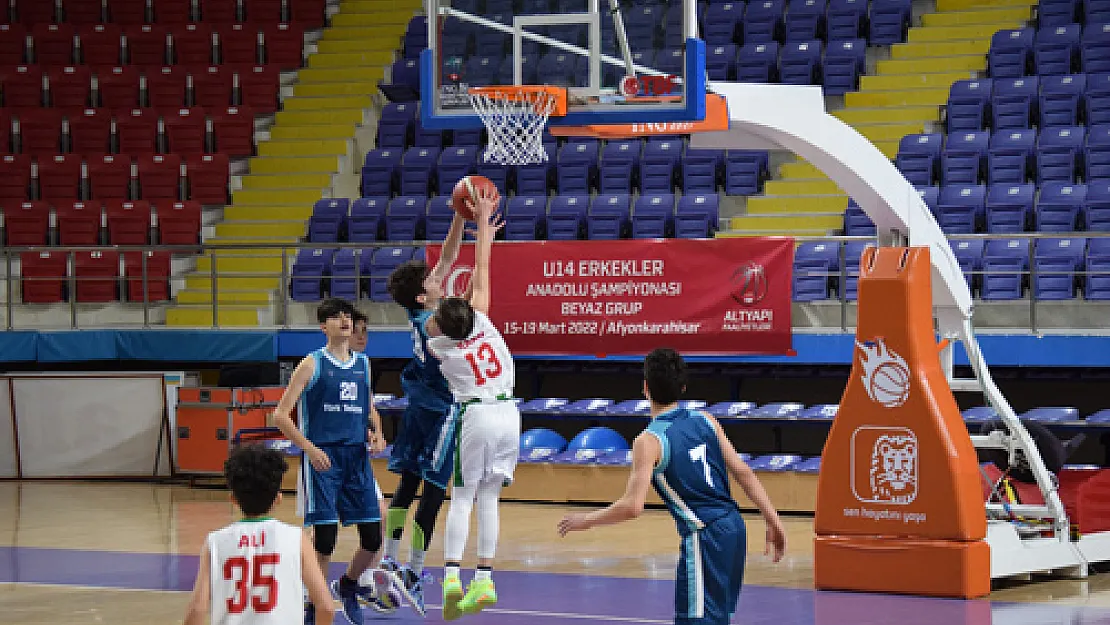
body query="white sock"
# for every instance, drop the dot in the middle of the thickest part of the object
(416, 561)
(392, 548)
(489, 519)
(486, 574)
(458, 523)
(451, 571)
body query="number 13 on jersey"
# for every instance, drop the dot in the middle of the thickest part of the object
(484, 363)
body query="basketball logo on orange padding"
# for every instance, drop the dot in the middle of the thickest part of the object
(886, 376)
(884, 465)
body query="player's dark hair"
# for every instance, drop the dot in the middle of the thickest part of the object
(665, 373)
(254, 476)
(407, 282)
(332, 307)
(360, 316)
(455, 317)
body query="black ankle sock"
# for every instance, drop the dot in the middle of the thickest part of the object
(347, 581)
(485, 568)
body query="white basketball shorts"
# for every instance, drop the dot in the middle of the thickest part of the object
(489, 443)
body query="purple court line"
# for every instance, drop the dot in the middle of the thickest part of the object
(536, 598)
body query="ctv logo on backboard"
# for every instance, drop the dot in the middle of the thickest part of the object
(648, 85)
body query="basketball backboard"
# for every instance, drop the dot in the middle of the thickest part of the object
(620, 64)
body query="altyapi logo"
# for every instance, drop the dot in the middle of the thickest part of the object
(886, 376)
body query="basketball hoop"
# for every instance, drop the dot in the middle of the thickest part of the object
(515, 116)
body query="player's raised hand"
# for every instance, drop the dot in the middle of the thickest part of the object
(573, 523)
(776, 541)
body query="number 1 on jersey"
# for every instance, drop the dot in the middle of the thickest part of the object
(484, 355)
(697, 454)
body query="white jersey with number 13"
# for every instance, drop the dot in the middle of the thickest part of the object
(479, 366)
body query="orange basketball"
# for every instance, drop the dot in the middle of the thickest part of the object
(467, 189)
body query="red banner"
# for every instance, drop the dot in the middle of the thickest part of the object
(728, 296)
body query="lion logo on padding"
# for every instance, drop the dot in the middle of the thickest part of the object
(894, 468)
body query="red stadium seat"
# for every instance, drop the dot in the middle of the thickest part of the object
(284, 46)
(109, 177)
(13, 44)
(90, 131)
(172, 11)
(97, 276)
(157, 275)
(307, 12)
(101, 45)
(32, 12)
(186, 131)
(5, 132)
(60, 177)
(70, 86)
(137, 131)
(179, 223)
(159, 176)
(193, 45)
(27, 223)
(52, 44)
(118, 87)
(22, 85)
(165, 87)
(213, 87)
(128, 222)
(239, 44)
(40, 131)
(15, 179)
(78, 222)
(208, 178)
(83, 11)
(258, 87)
(219, 11)
(147, 45)
(233, 129)
(43, 276)
(263, 11)
(127, 11)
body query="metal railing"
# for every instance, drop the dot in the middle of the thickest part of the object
(280, 305)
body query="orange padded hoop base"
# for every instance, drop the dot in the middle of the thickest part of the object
(716, 120)
(521, 93)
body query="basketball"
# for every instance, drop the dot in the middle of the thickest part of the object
(890, 384)
(467, 189)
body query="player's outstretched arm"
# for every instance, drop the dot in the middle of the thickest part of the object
(450, 252)
(749, 482)
(315, 583)
(284, 422)
(197, 611)
(645, 455)
(479, 290)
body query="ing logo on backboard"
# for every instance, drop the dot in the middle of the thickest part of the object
(884, 465)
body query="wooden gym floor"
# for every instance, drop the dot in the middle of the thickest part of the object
(125, 554)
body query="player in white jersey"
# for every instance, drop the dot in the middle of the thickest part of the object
(478, 367)
(250, 572)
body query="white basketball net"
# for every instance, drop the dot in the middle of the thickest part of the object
(515, 122)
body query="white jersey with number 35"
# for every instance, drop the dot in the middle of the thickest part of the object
(255, 572)
(478, 367)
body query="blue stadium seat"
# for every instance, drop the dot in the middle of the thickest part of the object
(657, 166)
(534, 179)
(609, 216)
(720, 56)
(379, 172)
(439, 218)
(853, 251)
(701, 170)
(673, 35)
(1056, 262)
(980, 414)
(775, 463)
(1096, 211)
(524, 216)
(455, 163)
(805, 20)
(309, 269)
(1097, 283)
(856, 222)
(890, 21)
(381, 263)
(629, 408)
(1060, 97)
(809, 465)
(845, 61)
(483, 70)
(1009, 207)
(967, 105)
(931, 196)
(396, 125)
(1052, 414)
(763, 21)
(404, 217)
(418, 167)
(961, 208)
(1058, 206)
(653, 216)
(592, 407)
(1005, 261)
(758, 62)
(1055, 49)
(1057, 12)
(1096, 154)
(367, 219)
(819, 412)
(845, 19)
(745, 171)
(542, 405)
(1059, 149)
(918, 157)
(427, 137)
(815, 266)
(416, 36)
(490, 42)
(557, 68)
(538, 444)
(730, 409)
(777, 410)
(1096, 102)
(566, 217)
(1096, 11)
(800, 63)
(404, 84)
(1009, 159)
(345, 273)
(528, 69)
(969, 253)
(1012, 102)
(1010, 53)
(329, 216)
(696, 216)
(1094, 48)
(618, 161)
(1102, 416)
(963, 157)
(466, 137)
